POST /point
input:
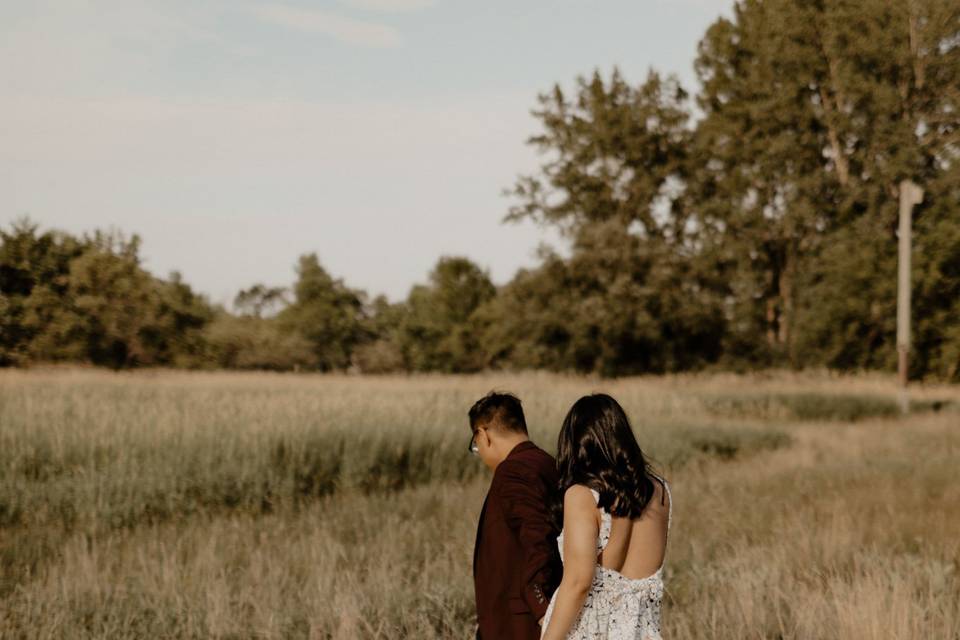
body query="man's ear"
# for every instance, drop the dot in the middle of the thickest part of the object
(486, 435)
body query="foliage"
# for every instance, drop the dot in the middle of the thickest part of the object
(327, 313)
(814, 112)
(753, 225)
(437, 330)
(629, 299)
(88, 299)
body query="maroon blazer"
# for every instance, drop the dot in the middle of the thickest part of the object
(516, 564)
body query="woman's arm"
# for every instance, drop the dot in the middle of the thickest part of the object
(580, 531)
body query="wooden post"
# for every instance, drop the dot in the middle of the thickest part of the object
(910, 195)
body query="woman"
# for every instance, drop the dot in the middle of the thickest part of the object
(615, 517)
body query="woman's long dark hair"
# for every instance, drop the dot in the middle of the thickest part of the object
(597, 448)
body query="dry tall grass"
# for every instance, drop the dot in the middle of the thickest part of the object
(183, 505)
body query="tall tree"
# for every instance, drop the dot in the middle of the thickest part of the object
(111, 302)
(762, 197)
(327, 313)
(892, 72)
(177, 336)
(437, 329)
(34, 279)
(814, 111)
(613, 183)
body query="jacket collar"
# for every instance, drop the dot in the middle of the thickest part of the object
(523, 446)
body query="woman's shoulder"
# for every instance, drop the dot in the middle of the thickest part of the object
(660, 499)
(580, 494)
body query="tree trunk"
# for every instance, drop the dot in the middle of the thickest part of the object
(786, 284)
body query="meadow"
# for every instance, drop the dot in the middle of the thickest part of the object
(163, 504)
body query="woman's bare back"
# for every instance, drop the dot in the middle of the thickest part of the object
(637, 547)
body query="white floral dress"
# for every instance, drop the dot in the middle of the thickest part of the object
(617, 607)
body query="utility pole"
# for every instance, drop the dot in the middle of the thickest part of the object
(910, 196)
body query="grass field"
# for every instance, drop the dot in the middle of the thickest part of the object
(228, 505)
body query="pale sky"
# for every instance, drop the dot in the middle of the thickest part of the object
(234, 136)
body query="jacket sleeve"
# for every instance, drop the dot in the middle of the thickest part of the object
(524, 495)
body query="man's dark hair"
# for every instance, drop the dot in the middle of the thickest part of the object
(502, 409)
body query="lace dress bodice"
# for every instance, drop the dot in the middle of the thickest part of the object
(617, 607)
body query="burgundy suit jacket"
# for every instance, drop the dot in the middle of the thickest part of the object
(516, 564)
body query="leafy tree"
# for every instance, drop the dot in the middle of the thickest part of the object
(814, 111)
(760, 189)
(249, 342)
(89, 300)
(111, 303)
(34, 278)
(895, 75)
(259, 298)
(381, 351)
(526, 325)
(437, 331)
(631, 299)
(327, 313)
(176, 337)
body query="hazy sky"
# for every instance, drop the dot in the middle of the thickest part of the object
(234, 136)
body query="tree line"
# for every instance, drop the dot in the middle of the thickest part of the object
(751, 224)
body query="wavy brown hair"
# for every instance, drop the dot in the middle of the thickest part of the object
(597, 448)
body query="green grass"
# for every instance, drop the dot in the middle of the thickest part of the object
(814, 406)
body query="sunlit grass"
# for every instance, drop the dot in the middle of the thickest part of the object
(170, 504)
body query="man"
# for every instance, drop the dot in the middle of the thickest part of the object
(516, 565)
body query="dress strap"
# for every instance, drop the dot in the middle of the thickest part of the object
(666, 491)
(606, 524)
(666, 486)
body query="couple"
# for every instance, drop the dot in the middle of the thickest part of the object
(571, 548)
